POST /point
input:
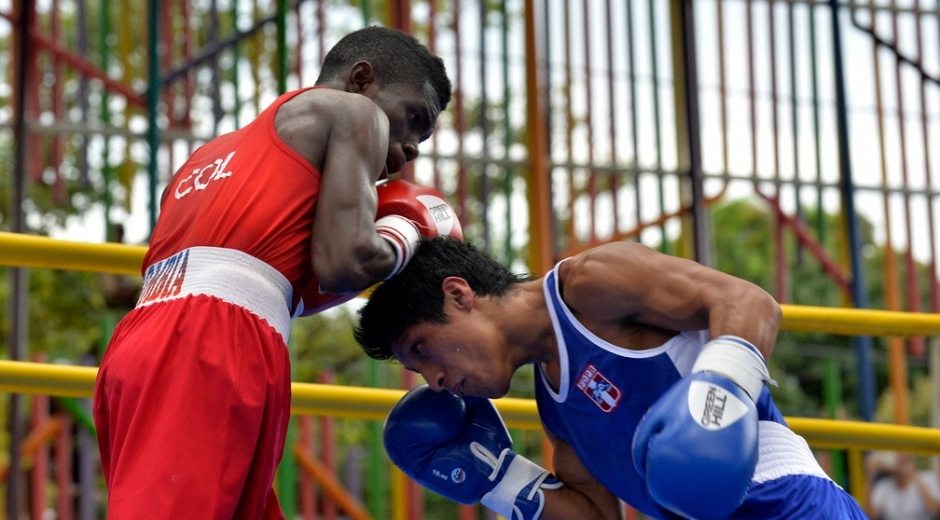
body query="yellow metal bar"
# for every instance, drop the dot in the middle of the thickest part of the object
(17, 249)
(859, 322)
(397, 488)
(47, 379)
(858, 479)
(374, 403)
(35, 251)
(829, 433)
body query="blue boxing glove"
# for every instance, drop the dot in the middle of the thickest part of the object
(461, 449)
(697, 445)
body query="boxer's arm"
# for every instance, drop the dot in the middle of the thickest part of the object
(346, 252)
(582, 496)
(629, 282)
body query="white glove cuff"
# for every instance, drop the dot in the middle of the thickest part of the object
(736, 359)
(403, 236)
(520, 474)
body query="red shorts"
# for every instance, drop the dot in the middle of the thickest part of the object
(192, 403)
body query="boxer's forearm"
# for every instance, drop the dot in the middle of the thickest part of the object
(588, 504)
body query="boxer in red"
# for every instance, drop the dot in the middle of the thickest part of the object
(272, 221)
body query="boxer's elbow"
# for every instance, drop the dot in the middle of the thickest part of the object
(355, 266)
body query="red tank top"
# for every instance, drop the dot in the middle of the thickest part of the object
(246, 190)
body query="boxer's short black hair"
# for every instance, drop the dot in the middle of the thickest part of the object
(416, 294)
(396, 57)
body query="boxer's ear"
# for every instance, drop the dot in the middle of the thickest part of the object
(457, 291)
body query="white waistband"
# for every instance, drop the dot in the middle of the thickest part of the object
(782, 452)
(230, 275)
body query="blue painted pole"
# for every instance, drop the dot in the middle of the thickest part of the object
(863, 344)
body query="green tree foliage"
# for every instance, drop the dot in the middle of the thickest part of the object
(743, 232)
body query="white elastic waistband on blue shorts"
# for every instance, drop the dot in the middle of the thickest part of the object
(228, 274)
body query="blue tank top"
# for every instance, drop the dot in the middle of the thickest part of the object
(604, 391)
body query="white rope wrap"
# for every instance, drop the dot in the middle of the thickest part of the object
(736, 359)
(403, 236)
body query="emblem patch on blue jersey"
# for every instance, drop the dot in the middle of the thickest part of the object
(599, 389)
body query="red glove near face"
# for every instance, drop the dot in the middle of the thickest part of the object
(406, 212)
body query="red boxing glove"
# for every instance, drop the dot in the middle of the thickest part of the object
(408, 211)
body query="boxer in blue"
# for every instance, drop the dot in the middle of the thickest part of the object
(650, 383)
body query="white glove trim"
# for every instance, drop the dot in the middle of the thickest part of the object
(403, 236)
(520, 473)
(736, 359)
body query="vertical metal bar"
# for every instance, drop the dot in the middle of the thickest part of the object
(657, 125)
(87, 466)
(933, 361)
(508, 173)
(189, 83)
(366, 8)
(897, 368)
(212, 33)
(863, 346)
(832, 392)
(612, 181)
(934, 289)
(484, 133)
(460, 125)
(58, 145)
(299, 45)
(83, 103)
(308, 485)
(19, 293)
(752, 92)
(63, 468)
(36, 147)
(435, 164)
(281, 21)
(412, 505)
(124, 42)
(378, 485)
(321, 30)
(913, 291)
(691, 132)
(795, 122)
(328, 448)
(153, 93)
(569, 124)
(545, 21)
(899, 356)
(634, 131)
(39, 472)
(722, 86)
(589, 121)
(774, 113)
(236, 63)
(817, 132)
(286, 475)
(780, 260)
(541, 244)
(401, 15)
